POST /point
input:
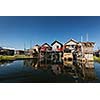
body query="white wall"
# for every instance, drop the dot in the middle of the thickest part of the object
(89, 56)
(54, 47)
(36, 47)
(71, 43)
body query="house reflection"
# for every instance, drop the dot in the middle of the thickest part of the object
(79, 73)
(57, 69)
(36, 64)
(31, 63)
(87, 71)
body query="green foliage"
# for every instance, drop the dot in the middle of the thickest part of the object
(96, 59)
(7, 57)
(14, 57)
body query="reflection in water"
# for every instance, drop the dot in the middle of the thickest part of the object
(35, 70)
(88, 70)
(82, 72)
(36, 64)
(5, 63)
(57, 69)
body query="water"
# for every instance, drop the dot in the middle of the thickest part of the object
(34, 71)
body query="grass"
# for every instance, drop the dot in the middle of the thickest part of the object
(15, 57)
(7, 57)
(22, 56)
(96, 59)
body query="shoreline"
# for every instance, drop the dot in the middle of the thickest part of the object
(15, 57)
(22, 57)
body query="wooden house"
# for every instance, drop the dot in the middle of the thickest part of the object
(57, 46)
(35, 51)
(69, 49)
(36, 48)
(57, 51)
(45, 47)
(45, 51)
(85, 51)
(71, 44)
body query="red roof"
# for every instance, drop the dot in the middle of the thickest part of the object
(60, 49)
(43, 48)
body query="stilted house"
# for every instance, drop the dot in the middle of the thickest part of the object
(69, 49)
(34, 51)
(45, 51)
(45, 47)
(36, 48)
(85, 51)
(71, 44)
(57, 46)
(57, 51)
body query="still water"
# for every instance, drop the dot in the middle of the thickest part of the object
(34, 71)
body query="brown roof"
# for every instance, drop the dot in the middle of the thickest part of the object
(88, 43)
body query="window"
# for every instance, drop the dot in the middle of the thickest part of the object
(72, 46)
(57, 46)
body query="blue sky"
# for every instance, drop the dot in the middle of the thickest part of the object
(20, 30)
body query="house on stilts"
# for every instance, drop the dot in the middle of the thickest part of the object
(85, 51)
(69, 49)
(45, 51)
(57, 51)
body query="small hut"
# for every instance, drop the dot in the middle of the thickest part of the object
(36, 48)
(71, 44)
(35, 51)
(69, 49)
(45, 51)
(57, 51)
(57, 46)
(45, 47)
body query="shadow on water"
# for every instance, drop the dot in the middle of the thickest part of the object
(37, 71)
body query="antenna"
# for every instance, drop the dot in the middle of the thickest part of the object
(30, 44)
(87, 39)
(81, 38)
(24, 46)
